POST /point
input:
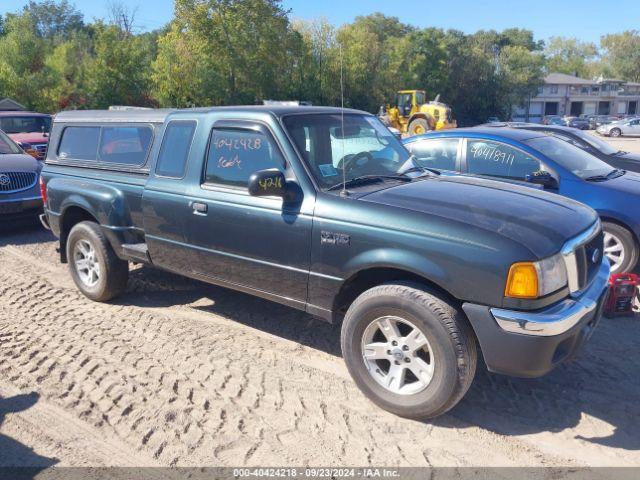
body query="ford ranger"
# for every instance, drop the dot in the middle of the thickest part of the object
(323, 210)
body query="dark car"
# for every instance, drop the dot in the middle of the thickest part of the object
(553, 120)
(324, 210)
(19, 187)
(535, 158)
(577, 122)
(587, 142)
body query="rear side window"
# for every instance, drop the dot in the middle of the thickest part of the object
(236, 154)
(126, 145)
(175, 149)
(79, 143)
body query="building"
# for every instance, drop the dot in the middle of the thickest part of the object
(568, 95)
(6, 104)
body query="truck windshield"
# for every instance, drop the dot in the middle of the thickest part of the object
(363, 147)
(25, 124)
(8, 146)
(572, 158)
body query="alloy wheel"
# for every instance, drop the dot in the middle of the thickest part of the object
(614, 250)
(86, 263)
(398, 355)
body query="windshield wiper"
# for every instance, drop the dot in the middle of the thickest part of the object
(364, 179)
(615, 173)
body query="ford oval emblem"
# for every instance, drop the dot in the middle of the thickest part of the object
(595, 257)
(4, 180)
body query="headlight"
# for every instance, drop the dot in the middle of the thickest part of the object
(536, 279)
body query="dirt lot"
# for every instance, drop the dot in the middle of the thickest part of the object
(180, 373)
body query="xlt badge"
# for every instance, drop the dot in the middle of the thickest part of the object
(331, 238)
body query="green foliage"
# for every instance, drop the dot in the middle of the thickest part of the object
(622, 54)
(570, 56)
(221, 52)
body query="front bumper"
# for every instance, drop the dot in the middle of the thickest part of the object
(530, 344)
(18, 208)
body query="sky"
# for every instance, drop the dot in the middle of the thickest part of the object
(584, 19)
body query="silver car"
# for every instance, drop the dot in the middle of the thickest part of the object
(20, 196)
(628, 126)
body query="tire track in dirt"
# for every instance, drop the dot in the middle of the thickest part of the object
(193, 375)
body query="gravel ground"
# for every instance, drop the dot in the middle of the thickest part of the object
(181, 373)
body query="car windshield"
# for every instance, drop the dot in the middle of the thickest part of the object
(8, 146)
(364, 147)
(25, 124)
(595, 142)
(572, 158)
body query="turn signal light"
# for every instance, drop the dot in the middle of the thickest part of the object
(522, 281)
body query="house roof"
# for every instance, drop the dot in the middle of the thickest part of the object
(564, 79)
(9, 104)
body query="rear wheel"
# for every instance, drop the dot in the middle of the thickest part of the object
(96, 270)
(408, 350)
(615, 132)
(619, 247)
(418, 126)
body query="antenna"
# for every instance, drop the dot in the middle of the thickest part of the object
(343, 192)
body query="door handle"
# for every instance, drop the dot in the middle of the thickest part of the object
(199, 208)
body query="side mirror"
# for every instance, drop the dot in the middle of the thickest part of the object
(267, 183)
(542, 178)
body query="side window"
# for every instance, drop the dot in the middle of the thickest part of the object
(174, 152)
(236, 154)
(485, 157)
(79, 143)
(125, 145)
(437, 153)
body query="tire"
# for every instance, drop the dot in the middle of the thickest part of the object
(87, 244)
(450, 341)
(617, 238)
(418, 126)
(615, 132)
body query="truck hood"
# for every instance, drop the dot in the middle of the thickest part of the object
(18, 162)
(34, 138)
(539, 220)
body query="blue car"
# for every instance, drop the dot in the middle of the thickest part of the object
(545, 162)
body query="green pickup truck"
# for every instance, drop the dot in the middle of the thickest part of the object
(323, 210)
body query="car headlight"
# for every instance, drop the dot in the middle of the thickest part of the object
(536, 279)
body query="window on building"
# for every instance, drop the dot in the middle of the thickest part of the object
(553, 88)
(234, 155)
(174, 152)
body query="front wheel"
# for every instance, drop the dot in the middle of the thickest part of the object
(408, 350)
(616, 132)
(619, 247)
(418, 126)
(95, 268)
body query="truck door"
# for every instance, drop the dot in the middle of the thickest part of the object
(164, 204)
(259, 244)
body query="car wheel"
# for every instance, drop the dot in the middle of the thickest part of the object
(615, 132)
(408, 350)
(96, 270)
(619, 247)
(418, 126)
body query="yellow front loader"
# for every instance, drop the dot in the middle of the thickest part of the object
(413, 115)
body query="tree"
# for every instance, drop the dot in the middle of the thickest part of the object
(621, 53)
(53, 19)
(118, 72)
(570, 56)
